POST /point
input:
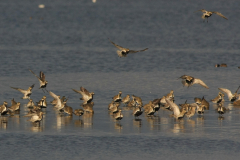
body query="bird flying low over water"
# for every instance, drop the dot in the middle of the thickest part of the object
(41, 78)
(231, 97)
(87, 97)
(189, 81)
(36, 117)
(123, 52)
(207, 14)
(176, 111)
(26, 93)
(59, 104)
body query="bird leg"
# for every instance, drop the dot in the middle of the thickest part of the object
(43, 90)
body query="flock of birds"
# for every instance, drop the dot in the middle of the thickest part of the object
(166, 102)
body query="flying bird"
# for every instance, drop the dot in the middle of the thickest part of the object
(36, 117)
(59, 104)
(189, 81)
(87, 96)
(176, 111)
(26, 93)
(231, 97)
(41, 78)
(207, 14)
(123, 52)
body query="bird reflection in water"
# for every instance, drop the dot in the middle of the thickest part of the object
(78, 123)
(154, 122)
(220, 117)
(179, 127)
(4, 122)
(37, 127)
(191, 123)
(87, 118)
(15, 119)
(118, 127)
(200, 121)
(137, 123)
(63, 121)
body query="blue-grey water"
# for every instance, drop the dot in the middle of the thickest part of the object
(68, 41)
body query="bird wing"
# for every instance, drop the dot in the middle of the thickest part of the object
(42, 76)
(199, 81)
(84, 91)
(193, 105)
(19, 89)
(227, 91)
(174, 107)
(219, 14)
(119, 47)
(58, 104)
(80, 92)
(32, 86)
(185, 83)
(132, 51)
(53, 95)
(13, 102)
(35, 75)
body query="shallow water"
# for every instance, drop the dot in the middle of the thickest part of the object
(68, 41)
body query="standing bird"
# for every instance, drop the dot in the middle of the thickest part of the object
(118, 97)
(132, 103)
(149, 108)
(231, 97)
(42, 103)
(115, 107)
(219, 98)
(189, 81)
(118, 116)
(26, 93)
(156, 103)
(126, 99)
(138, 100)
(15, 107)
(123, 52)
(137, 111)
(42, 80)
(3, 108)
(30, 103)
(207, 14)
(88, 107)
(87, 97)
(221, 65)
(221, 109)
